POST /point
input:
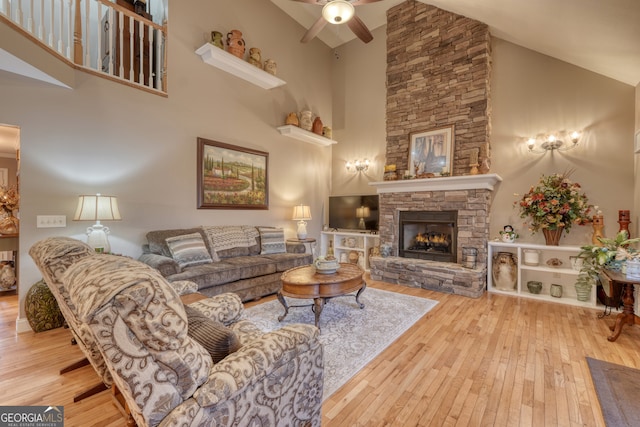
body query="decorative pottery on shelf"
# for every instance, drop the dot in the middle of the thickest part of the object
(306, 121)
(292, 119)
(556, 290)
(531, 257)
(316, 126)
(583, 291)
(270, 66)
(505, 271)
(327, 132)
(255, 57)
(216, 39)
(7, 275)
(534, 286)
(235, 43)
(552, 237)
(9, 225)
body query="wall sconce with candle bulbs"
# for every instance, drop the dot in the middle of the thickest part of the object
(357, 166)
(97, 208)
(553, 142)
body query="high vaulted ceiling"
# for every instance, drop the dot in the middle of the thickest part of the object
(602, 36)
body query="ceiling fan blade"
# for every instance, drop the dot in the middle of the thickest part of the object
(360, 29)
(314, 30)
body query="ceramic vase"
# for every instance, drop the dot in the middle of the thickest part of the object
(270, 66)
(255, 57)
(216, 39)
(316, 126)
(534, 286)
(327, 133)
(556, 290)
(583, 291)
(552, 237)
(292, 119)
(235, 43)
(504, 271)
(306, 122)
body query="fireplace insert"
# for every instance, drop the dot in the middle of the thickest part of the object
(431, 235)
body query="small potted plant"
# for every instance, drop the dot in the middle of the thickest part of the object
(508, 234)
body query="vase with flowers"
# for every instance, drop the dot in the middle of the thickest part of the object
(9, 203)
(554, 205)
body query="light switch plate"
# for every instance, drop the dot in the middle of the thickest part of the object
(51, 221)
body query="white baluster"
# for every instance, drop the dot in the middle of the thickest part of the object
(87, 32)
(61, 29)
(100, 54)
(111, 37)
(41, 21)
(121, 47)
(51, 25)
(150, 70)
(141, 27)
(30, 19)
(18, 17)
(69, 28)
(160, 61)
(131, 37)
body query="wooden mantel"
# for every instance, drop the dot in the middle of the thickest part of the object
(445, 183)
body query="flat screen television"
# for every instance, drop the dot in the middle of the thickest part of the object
(358, 213)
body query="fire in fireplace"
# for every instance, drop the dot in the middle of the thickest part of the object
(428, 235)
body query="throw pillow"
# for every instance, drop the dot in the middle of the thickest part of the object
(216, 338)
(188, 249)
(271, 241)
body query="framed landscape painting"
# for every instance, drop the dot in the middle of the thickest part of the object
(231, 177)
(431, 152)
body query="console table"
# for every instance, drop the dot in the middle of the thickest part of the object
(627, 317)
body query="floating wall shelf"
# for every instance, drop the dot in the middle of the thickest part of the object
(225, 61)
(303, 135)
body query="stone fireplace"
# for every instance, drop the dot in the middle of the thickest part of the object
(469, 197)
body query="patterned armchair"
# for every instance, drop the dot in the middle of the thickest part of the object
(167, 378)
(53, 256)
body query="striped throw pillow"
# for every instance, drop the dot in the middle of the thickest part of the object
(188, 249)
(271, 240)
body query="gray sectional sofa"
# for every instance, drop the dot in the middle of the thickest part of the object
(246, 260)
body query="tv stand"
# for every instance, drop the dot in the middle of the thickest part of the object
(348, 243)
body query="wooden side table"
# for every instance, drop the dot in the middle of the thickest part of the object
(308, 241)
(627, 317)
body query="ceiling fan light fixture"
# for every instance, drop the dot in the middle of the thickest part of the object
(338, 11)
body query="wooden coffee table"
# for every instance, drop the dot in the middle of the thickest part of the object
(305, 283)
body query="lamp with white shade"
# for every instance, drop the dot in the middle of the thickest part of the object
(301, 213)
(362, 212)
(97, 208)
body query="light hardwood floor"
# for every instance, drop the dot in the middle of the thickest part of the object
(493, 361)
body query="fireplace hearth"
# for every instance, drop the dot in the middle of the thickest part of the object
(428, 235)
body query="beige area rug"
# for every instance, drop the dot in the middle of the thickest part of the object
(618, 390)
(351, 336)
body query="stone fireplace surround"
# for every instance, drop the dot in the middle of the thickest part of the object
(471, 197)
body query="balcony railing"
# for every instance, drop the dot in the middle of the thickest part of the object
(97, 36)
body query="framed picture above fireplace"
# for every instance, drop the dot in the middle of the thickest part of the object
(431, 152)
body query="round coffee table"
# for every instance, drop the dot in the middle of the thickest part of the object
(305, 283)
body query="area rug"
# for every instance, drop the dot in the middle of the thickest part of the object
(618, 390)
(351, 336)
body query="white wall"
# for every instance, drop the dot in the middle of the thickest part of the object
(105, 137)
(533, 93)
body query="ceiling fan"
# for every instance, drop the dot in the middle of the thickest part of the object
(339, 12)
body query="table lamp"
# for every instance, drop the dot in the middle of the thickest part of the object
(97, 208)
(362, 212)
(301, 213)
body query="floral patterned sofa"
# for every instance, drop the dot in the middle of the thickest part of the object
(140, 327)
(247, 260)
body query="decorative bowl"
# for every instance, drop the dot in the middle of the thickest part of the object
(534, 286)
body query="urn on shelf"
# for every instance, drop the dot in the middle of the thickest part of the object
(216, 39)
(255, 57)
(235, 43)
(327, 133)
(306, 122)
(505, 271)
(316, 127)
(292, 119)
(270, 66)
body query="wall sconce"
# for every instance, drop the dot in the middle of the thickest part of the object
(362, 212)
(358, 166)
(301, 213)
(97, 208)
(553, 142)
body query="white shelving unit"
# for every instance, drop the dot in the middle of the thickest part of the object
(345, 242)
(225, 61)
(563, 275)
(304, 135)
